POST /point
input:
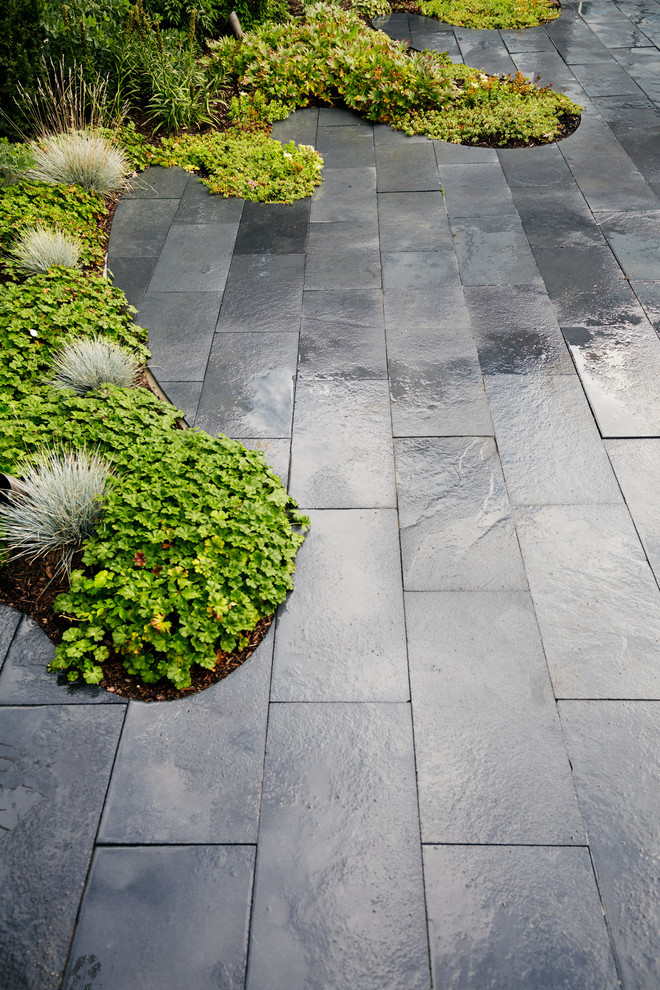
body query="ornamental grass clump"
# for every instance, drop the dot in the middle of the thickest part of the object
(57, 510)
(39, 248)
(86, 364)
(82, 158)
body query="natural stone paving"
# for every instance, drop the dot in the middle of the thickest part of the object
(442, 764)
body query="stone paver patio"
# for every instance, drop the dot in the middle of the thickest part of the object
(442, 766)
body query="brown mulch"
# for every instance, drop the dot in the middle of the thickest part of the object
(32, 587)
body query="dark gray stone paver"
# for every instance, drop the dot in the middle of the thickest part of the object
(24, 679)
(338, 896)
(544, 428)
(273, 228)
(457, 533)
(476, 190)
(343, 637)
(413, 221)
(167, 916)
(491, 762)
(341, 451)
(55, 762)
(511, 918)
(255, 399)
(191, 772)
(181, 326)
(614, 748)
(407, 168)
(263, 293)
(516, 330)
(596, 600)
(436, 388)
(132, 275)
(493, 251)
(344, 255)
(159, 183)
(195, 257)
(198, 205)
(346, 194)
(342, 335)
(139, 228)
(635, 241)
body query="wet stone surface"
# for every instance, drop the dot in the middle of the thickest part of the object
(457, 533)
(491, 761)
(614, 748)
(600, 634)
(341, 637)
(190, 771)
(55, 763)
(338, 897)
(514, 917)
(130, 928)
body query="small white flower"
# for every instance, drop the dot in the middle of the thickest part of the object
(287, 155)
(33, 333)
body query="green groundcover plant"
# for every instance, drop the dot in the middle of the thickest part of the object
(197, 542)
(506, 14)
(334, 55)
(42, 313)
(68, 208)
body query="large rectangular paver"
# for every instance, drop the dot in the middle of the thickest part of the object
(273, 228)
(512, 918)
(406, 167)
(549, 445)
(493, 251)
(436, 386)
(413, 221)
(491, 761)
(263, 293)
(516, 330)
(620, 372)
(180, 326)
(343, 256)
(614, 748)
(195, 257)
(597, 603)
(255, 398)
(190, 772)
(342, 335)
(476, 190)
(140, 227)
(341, 636)
(346, 194)
(341, 452)
(338, 898)
(54, 765)
(635, 241)
(457, 533)
(198, 205)
(167, 916)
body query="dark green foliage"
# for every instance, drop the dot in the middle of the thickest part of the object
(21, 46)
(195, 545)
(39, 314)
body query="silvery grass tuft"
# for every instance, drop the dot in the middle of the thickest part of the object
(88, 363)
(80, 157)
(64, 99)
(59, 507)
(39, 248)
